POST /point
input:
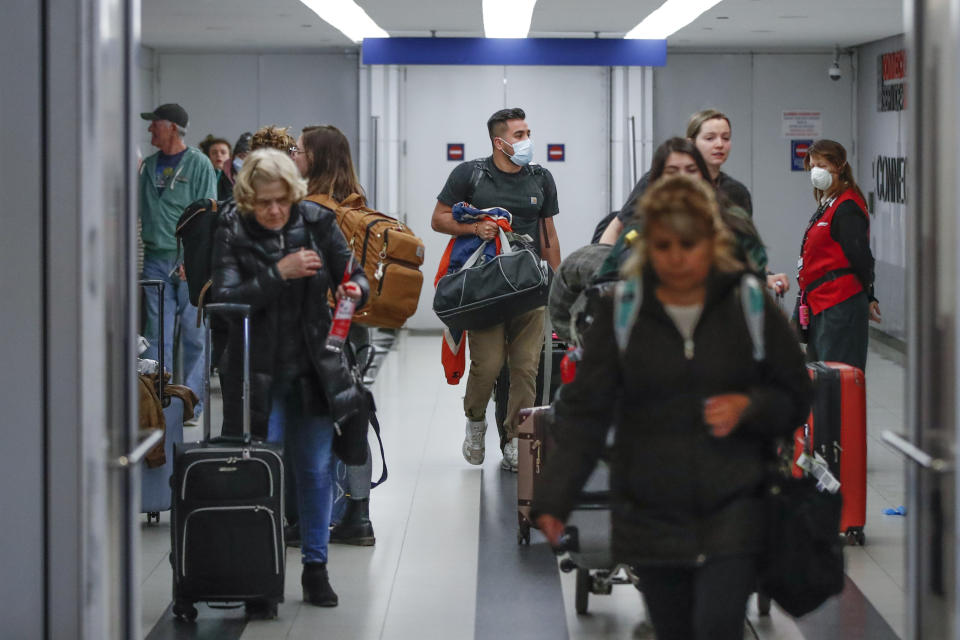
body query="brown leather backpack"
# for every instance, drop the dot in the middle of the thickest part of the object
(391, 256)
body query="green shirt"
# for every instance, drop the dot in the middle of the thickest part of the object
(193, 179)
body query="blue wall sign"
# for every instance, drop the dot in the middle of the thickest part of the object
(798, 151)
(604, 52)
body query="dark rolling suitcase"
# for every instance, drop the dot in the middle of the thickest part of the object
(837, 431)
(227, 518)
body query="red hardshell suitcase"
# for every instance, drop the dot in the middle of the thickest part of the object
(837, 430)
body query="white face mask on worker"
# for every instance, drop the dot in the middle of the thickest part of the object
(821, 178)
(522, 152)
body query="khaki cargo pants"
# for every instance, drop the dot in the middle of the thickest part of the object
(519, 341)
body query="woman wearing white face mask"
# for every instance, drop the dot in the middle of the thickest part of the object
(835, 270)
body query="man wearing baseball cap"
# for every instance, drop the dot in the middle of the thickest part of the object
(169, 180)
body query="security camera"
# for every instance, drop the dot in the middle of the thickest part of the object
(834, 71)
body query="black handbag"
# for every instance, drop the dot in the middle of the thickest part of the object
(803, 562)
(351, 404)
(486, 292)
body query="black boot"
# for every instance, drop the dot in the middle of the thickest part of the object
(316, 585)
(355, 527)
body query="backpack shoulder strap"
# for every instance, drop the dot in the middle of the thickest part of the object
(323, 200)
(627, 300)
(752, 301)
(479, 169)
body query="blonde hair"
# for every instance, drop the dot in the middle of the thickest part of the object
(272, 137)
(687, 207)
(266, 165)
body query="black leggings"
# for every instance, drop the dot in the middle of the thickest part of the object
(703, 603)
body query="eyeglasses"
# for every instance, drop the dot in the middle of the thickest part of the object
(295, 151)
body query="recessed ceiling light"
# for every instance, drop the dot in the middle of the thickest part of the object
(306, 26)
(761, 30)
(794, 17)
(348, 17)
(507, 18)
(708, 28)
(669, 18)
(723, 17)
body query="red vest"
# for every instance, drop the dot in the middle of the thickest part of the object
(821, 254)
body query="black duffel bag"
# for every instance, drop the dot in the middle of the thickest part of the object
(486, 292)
(803, 563)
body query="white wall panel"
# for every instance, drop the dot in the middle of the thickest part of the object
(220, 93)
(441, 104)
(227, 94)
(569, 105)
(300, 90)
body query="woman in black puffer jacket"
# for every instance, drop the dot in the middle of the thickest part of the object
(282, 256)
(695, 416)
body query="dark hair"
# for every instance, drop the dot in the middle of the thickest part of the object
(834, 153)
(739, 226)
(497, 123)
(243, 144)
(330, 171)
(205, 144)
(696, 121)
(676, 145)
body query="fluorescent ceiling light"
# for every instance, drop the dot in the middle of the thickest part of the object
(348, 17)
(507, 18)
(672, 16)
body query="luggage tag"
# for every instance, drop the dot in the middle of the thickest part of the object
(816, 466)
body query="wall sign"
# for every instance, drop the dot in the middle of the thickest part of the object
(890, 179)
(802, 123)
(455, 151)
(891, 80)
(798, 151)
(555, 153)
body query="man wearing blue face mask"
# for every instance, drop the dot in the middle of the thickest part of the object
(508, 179)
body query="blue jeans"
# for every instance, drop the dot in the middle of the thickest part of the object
(176, 304)
(307, 443)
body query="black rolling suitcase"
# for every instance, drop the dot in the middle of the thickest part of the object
(227, 517)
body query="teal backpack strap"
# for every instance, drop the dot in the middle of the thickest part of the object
(752, 300)
(627, 299)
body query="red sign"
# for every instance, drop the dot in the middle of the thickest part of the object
(798, 151)
(455, 151)
(555, 153)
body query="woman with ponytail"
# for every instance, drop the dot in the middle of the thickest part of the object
(835, 269)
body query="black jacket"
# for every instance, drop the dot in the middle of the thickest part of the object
(679, 495)
(244, 270)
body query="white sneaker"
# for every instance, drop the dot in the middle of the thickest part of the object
(195, 421)
(473, 446)
(509, 462)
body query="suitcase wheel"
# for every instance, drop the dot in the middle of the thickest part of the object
(184, 610)
(262, 609)
(855, 536)
(584, 586)
(153, 516)
(763, 604)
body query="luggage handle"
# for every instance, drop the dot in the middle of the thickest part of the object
(914, 453)
(227, 308)
(505, 250)
(161, 286)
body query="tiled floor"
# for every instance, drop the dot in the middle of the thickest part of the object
(420, 580)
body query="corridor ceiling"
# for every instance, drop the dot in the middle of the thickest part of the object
(734, 25)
